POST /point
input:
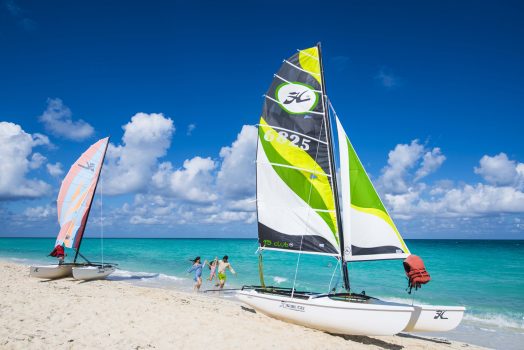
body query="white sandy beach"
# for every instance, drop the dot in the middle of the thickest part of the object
(68, 314)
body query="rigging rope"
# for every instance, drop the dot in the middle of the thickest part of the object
(333, 275)
(101, 220)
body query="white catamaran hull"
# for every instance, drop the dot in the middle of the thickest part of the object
(50, 271)
(88, 273)
(428, 318)
(373, 317)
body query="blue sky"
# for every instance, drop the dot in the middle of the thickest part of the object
(448, 74)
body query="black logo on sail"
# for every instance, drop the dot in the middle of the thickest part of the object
(296, 96)
(88, 166)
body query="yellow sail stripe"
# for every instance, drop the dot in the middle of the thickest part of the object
(309, 61)
(296, 156)
(380, 214)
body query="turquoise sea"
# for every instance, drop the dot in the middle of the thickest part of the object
(486, 276)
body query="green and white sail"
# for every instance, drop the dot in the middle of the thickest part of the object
(295, 201)
(369, 232)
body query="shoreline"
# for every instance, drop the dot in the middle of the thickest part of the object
(69, 314)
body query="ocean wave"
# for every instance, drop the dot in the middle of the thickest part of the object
(162, 276)
(28, 261)
(278, 279)
(501, 321)
(124, 275)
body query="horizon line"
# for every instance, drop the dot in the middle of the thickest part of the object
(255, 238)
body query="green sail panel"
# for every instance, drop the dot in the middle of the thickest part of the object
(295, 202)
(369, 231)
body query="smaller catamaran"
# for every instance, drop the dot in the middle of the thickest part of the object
(299, 211)
(73, 206)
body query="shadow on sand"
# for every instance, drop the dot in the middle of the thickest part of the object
(132, 277)
(248, 309)
(67, 278)
(370, 341)
(357, 338)
(434, 340)
(123, 278)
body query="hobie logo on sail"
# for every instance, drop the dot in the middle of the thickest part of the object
(88, 166)
(296, 98)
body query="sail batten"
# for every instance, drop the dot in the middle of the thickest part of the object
(287, 81)
(312, 171)
(295, 197)
(303, 70)
(295, 132)
(76, 194)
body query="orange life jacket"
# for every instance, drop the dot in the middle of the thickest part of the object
(416, 272)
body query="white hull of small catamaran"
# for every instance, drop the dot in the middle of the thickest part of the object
(430, 318)
(51, 271)
(92, 272)
(366, 317)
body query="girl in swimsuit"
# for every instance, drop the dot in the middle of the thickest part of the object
(213, 268)
(197, 267)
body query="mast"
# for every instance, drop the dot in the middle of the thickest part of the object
(343, 264)
(91, 202)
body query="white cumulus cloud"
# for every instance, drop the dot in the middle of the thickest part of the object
(57, 119)
(202, 190)
(224, 217)
(431, 161)
(37, 160)
(236, 177)
(407, 164)
(40, 212)
(499, 170)
(16, 152)
(130, 166)
(463, 201)
(193, 182)
(400, 160)
(55, 170)
(501, 194)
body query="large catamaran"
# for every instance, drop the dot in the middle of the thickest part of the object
(299, 211)
(74, 202)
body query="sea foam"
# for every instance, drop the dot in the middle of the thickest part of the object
(278, 279)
